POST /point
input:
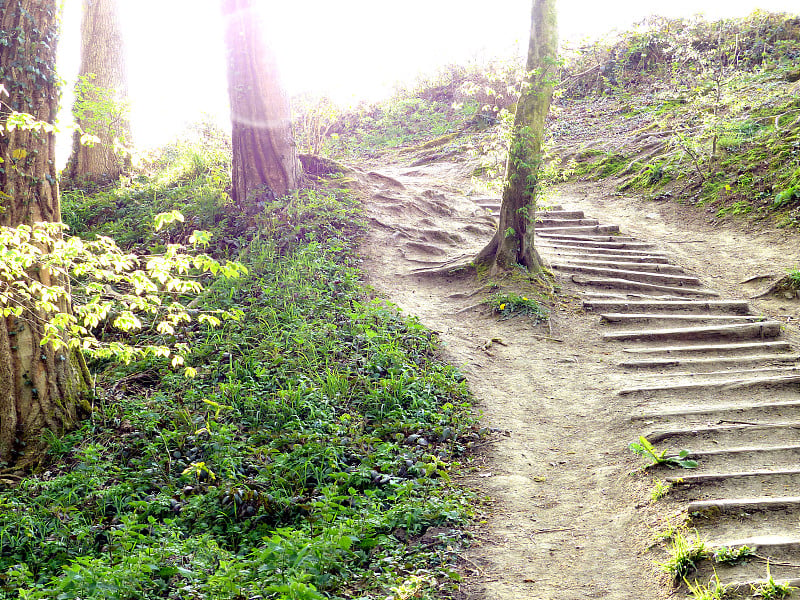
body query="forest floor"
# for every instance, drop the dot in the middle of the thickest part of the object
(567, 511)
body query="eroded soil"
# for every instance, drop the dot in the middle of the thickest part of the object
(568, 515)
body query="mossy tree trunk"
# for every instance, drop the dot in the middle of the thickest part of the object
(513, 241)
(265, 161)
(40, 388)
(101, 105)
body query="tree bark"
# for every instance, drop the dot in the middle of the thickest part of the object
(513, 241)
(265, 162)
(101, 93)
(40, 388)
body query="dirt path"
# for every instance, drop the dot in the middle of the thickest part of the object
(567, 519)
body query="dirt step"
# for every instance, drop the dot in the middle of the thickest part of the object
(634, 297)
(778, 370)
(577, 244)
(580, 229)
(568, 237)
(700, 363)
(769, 404)
(732, 435)
(489, 205)
(632, 284)
(712, 508)
(554, 248)
(686, 479)
(747, 459)
(724, 415)
(783, 554)
(727, 349)
(763, 329)
(559, 214)
(649, 277)
(708, 318)
(553, 222)
(648, 258)
(737, 517)
(729, 383)
(691, 306)
(650, 267)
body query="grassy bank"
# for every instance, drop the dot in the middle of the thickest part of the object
(310, 457)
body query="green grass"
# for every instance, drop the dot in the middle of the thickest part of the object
(684, 554)
(729, 123)
(511, 304)
(312, 450)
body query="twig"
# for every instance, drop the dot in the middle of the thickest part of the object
(551, 530)
(470, 307)
(772, 562)
(470, 561)
(544, 337)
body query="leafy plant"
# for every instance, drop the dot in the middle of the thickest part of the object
(108, 288)
(644, 448)
(320, 430)
(732, 556)
(511, 304)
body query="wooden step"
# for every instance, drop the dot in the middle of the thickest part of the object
(688, 362)
(580, 229)
(701, 478)
(726, 348)
(560, 214)
(763, 329)
(582, 244)
(630, 284)
(734, 306)
(578, 237)
(546, 247)
(629, 259)
(553, 222)
(650, 267)
(660, 435)
(649, 277)
(733, 505)
(732, 383)
(639, 317)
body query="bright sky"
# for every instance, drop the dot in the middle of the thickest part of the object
(346, 49)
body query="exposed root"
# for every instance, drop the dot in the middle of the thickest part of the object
(781, 284)
(455, 266)
(754, 277)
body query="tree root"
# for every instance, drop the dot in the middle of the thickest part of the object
(780, 284)
(455, 266)
(754, 277)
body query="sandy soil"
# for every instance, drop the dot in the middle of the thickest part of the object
(567, 514)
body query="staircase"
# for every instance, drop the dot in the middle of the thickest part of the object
(704, 374)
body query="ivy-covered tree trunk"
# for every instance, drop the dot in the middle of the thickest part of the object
(41, 388)
(513, 242)
(265, 162)
(100, 109)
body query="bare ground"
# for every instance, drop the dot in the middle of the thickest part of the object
(567, 514)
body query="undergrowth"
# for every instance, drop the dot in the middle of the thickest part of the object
(309, 458)
(704, 112)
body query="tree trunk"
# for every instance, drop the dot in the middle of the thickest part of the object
(513, 242)
(101, 92)
(265, 162)
(40, 388)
